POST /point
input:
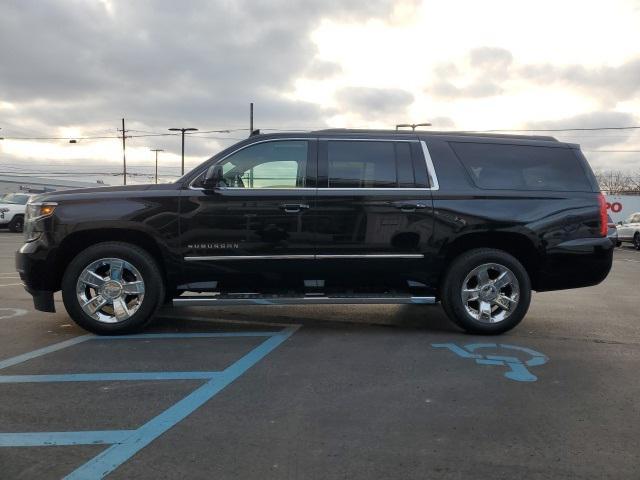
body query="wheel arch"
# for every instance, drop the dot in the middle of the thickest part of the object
(516, 244)
(77, 241)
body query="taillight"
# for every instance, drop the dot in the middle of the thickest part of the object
(604, 221)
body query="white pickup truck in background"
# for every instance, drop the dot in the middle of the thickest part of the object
(12, 210)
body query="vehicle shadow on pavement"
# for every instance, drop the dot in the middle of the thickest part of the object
(411, 317)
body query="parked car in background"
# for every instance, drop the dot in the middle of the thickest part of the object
(612, 231)
(629, 230)
(12, 210)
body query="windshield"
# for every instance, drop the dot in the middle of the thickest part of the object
(16, 198)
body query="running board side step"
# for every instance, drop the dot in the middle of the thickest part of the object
(227, 300)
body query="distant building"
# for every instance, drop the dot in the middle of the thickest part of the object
(28, 184)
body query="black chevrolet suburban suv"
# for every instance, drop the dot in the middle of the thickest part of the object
(475, 222)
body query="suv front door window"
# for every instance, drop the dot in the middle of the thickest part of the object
(277, 164)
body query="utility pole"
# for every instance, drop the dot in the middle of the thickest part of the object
(250, 118)
(157, 150)
(190, 129)
(124, 155)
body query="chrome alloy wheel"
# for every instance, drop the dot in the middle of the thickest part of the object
(490, 293)
(110, 290)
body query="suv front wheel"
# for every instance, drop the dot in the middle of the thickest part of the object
(486, 291)
(112, 288)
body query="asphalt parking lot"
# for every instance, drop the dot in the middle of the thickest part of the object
(325, 392)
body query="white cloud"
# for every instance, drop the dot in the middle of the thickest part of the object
(460, 64)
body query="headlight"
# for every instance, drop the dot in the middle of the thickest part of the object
(39, 210)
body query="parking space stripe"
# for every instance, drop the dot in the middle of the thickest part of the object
(39, 439)
(9, 362)
(108, 377)
(143, 336)
(116, 455)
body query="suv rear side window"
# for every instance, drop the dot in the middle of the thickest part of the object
(370, 164)
(522, 167)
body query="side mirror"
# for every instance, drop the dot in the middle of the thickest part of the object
(214, 177)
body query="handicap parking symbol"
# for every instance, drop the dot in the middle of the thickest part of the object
(518, 367)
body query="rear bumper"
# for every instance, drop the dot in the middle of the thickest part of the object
(33, 272)
(576, 263)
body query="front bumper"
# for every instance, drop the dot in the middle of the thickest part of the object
(36, 271)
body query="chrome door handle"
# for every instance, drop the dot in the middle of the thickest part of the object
(294, 207)
(409, 207)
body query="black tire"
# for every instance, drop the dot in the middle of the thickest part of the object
(451, 290)
(16, 224)
(618, 243)
(636, 241)
(154, 291)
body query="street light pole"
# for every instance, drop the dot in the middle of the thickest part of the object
(412, 125)
(124, 154)
(182, 130)
(157, 150)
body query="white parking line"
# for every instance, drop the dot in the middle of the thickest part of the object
(11, 284)
(15, 312)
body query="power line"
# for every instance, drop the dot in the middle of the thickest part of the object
(146, 133)
(76, 174)
(613, 151)
(557, 129)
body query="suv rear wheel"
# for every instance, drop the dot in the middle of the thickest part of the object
(112, 288)
(486, 291)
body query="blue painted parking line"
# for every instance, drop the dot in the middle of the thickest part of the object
(126, 443)
(518, 368)
(108, 377)
(39, 439)
(9, 362)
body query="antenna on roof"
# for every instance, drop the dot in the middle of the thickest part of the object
(411, 125)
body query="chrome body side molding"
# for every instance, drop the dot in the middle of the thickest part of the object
(199, 258)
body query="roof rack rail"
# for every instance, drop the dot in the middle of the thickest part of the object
(454, 133)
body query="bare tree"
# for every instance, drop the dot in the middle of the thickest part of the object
(617, 182)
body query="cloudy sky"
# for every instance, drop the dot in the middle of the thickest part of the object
(75, 68)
